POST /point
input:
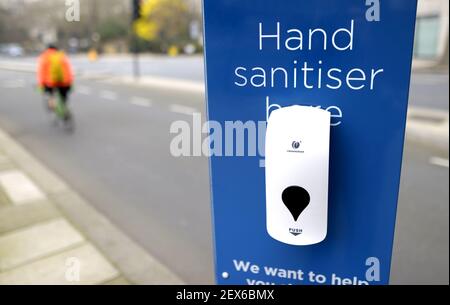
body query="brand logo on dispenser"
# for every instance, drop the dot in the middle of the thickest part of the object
(296, 147)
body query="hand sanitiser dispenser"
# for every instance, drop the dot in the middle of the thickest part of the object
(297, 161)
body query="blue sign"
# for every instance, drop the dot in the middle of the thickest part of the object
(352, 58)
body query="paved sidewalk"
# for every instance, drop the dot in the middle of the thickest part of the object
(49, 235)
(38, 245)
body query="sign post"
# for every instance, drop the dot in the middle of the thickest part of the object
(136, 14)
(351, 58)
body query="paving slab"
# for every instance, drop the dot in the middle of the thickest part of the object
(14, 217)
(83, 265)
(5, 163)
(37, 241)
(4, 201)
(19, 188)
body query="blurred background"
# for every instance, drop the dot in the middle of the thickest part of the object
(139, 69)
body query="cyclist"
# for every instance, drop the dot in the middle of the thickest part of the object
(55, 75)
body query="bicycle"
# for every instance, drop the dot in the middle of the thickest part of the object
(60, 110)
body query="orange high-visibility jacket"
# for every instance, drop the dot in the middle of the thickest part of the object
(46, 62)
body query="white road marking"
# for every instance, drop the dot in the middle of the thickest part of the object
(108, 95)
(84, 90)
(439, 161)
(182, 109)
(140, 101)
(13, 84)
(19, 188)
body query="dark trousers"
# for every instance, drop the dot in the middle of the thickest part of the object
(62, 91)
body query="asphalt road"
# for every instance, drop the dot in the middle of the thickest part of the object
(421, 254)
(182, 67)
(427, 89)
(119, 160)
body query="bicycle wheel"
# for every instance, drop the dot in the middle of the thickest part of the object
(46, 102)
(63, 114)
(60, 108)
(68, 121)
